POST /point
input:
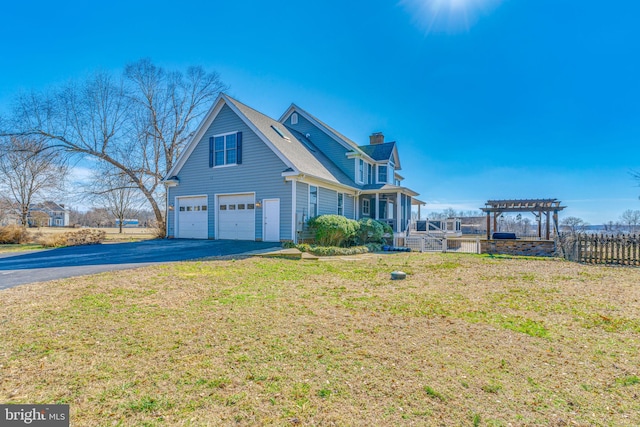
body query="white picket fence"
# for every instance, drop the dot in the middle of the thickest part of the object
(425, 243)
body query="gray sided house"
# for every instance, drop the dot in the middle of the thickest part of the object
(57, 215)
(245, 176)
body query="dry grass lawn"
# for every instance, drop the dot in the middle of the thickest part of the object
(113, 233)
(465, 340)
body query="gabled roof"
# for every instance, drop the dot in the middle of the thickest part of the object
(379, 152)
(298, 156)
(382, 152)
(49, 206)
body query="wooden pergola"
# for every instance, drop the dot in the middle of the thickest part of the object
(538, 207)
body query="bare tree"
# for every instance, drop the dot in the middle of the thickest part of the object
(97, 217)
(114, 190)
(631, 218)
(137, 122)
(29, 172)
(573, 224)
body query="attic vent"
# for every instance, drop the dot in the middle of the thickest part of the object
(279, 132)
(294, 119)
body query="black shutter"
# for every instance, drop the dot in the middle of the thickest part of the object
(239, 148)
(211, 152)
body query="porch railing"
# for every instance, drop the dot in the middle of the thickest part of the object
(427, 243)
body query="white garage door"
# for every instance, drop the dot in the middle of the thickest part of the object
(192, 218)
(236, 217)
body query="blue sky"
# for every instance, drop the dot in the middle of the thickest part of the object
(487, 99)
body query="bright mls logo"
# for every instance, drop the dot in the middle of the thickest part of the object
(34, 415)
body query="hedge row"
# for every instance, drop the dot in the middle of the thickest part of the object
(338, 231)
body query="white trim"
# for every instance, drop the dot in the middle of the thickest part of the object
(368, 213)
(362, 154)
(398, 212)
(329, 185)
(356, 212)
(309, 200)
(358, 179)
(294, 202)
(225, 164)
(378, 173)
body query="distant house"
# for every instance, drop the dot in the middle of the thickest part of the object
(246, 176)
(55, 215)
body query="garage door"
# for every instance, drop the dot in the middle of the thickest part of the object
(192, 218)
(236, 217)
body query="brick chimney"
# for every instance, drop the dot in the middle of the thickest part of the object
(376, 138)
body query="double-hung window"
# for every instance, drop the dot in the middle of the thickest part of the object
(382, 174)
(366, 207)
(313, 201)
(360, 170)
(225, 149)
(340, 204)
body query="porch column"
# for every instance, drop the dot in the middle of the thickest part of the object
(294, 220)
(377, 207)
(547, 226)
(539, 225)
(398, 211)
(356, 205)
(488, 225)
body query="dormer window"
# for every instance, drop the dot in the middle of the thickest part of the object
(383, 174)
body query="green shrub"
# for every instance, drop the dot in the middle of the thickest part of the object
(370, 231)
(337, 251)
(13, 234)
(304, 247)
(333, 250)
(386, 228)
(333, 230)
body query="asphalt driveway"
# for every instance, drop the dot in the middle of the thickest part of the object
(39, 266)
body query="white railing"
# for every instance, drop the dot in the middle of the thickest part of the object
(468, 245)
(440, 228)
(426, 243)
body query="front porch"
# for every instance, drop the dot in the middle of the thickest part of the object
(392, 208)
